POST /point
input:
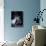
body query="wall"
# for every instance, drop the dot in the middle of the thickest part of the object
(29, 7)
(43, 6)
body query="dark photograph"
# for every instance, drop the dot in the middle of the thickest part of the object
(16, 18)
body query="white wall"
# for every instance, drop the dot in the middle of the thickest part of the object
(1, 20)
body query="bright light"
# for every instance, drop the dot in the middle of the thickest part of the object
(1, 24)
(1, 20)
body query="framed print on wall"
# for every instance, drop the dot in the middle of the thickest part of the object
(16, 18)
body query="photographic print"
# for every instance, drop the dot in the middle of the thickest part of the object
(16, 18)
